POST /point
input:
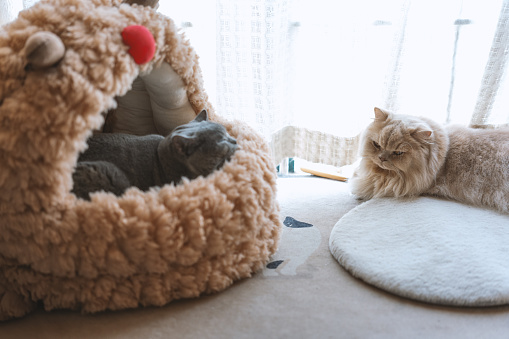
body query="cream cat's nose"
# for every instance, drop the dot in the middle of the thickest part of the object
(382, 158)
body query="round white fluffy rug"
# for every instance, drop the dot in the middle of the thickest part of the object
(427, 249)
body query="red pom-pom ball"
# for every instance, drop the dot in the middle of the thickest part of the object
(141, 41)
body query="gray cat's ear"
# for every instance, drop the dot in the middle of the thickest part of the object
(380, 115)
(203, 116)
(184, 146)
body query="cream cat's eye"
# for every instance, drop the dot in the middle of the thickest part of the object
(397, 153)
(377, 146)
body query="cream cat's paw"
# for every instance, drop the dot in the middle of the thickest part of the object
(361, 186)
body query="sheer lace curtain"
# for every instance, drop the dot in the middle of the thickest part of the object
(307, 74)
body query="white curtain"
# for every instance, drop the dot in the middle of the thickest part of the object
(307, 74)
(9, 9)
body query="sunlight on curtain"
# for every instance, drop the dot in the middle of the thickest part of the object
(197, 21)
(441, 59)
(492, 105)
(445, 50)
(416, 57)
(9, 9)
(253, 66)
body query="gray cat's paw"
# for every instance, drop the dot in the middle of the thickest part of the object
(93, 176)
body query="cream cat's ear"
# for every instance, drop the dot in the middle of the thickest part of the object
(380, 115)
(424, 135)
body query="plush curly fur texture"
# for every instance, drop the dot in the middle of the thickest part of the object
(114, 253)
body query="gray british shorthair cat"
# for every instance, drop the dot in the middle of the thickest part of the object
(403, 155)
(115, 162)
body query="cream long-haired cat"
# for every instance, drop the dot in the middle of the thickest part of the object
(404, 155)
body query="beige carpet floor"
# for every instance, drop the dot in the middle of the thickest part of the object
(304, 294)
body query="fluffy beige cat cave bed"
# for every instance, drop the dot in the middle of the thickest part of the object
(141, 249)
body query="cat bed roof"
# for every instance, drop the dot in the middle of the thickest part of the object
(144, 248)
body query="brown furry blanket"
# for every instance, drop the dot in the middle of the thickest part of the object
(144, 248)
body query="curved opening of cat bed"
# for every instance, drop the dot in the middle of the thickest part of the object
(144, 248)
